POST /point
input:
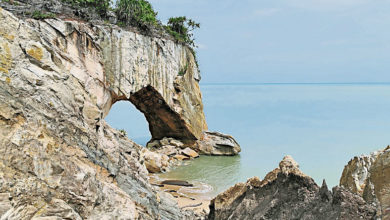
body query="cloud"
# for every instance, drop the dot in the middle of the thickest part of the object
(265, 12)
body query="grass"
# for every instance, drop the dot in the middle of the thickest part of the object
(40, 15)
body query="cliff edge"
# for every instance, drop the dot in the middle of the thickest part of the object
(58, 80)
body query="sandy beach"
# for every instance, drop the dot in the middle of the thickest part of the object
(192, 198)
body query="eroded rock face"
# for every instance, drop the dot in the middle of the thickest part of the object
(58, 157)
(380, 180)
(287, 193)
(215, 143)
(112, 65)
(355, 174)
(369, 177)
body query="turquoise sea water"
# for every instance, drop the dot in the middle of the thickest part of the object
(321, 125)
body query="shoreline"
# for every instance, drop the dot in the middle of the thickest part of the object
(193, 198)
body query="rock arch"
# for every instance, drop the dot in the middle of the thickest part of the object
(157, 75)
(163, 120)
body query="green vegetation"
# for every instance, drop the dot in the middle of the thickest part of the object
(123, 132)
(39, 15)
(136, 13)
(102, 6)
(181, 29)
(183, 70)
(12, 2)
(139, 13)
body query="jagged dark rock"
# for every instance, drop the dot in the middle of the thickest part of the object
(291, 195)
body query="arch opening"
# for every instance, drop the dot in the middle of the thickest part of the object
(147, 116)
(163, 120)
(123, 115)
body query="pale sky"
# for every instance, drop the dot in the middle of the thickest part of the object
(260, 41)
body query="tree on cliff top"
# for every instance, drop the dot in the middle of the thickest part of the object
(136, 12)
(140, 14)
(102, 6)
(181, 29)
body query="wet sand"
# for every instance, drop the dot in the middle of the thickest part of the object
(196, 198)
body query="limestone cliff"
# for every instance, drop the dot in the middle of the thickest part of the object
(369, 176)
(58, 80)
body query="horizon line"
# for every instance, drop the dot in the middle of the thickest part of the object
(289, 83)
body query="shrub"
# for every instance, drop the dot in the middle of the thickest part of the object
(123, 132)
(183, 71)
(136, 12)
(102, 6)
(39, 15)
(181, 29)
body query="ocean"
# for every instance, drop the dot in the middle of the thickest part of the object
(322, 126)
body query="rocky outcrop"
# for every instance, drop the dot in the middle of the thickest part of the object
(58, 80)
(173, 150)
(154, 162)
(369, 177)
(215, 143)
(356, 172)
(287, 193)
(210, 143)
(162, 154)
(113, 65)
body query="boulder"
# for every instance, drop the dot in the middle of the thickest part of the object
(154, 162)
(190, 153)
(181, 157)
(215, 143)
(168, 150)
(153, 145)
(165, 141)
(177, 143)
(288, 194)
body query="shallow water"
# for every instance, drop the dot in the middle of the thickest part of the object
(216, 172)
(321, 125)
